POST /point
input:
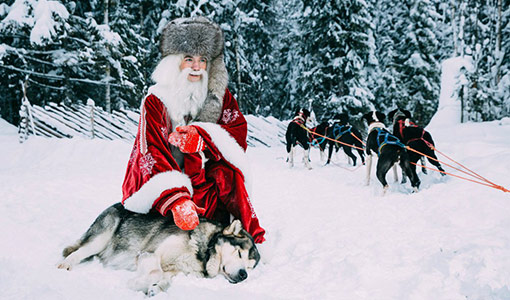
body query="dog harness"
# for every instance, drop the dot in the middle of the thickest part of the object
(314, 141)
(299, 119)
(402, 124)
(405, 123)
(387, 138)
(338, 132)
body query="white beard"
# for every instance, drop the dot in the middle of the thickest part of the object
(181, 97)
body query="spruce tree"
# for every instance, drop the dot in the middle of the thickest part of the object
(338, 49)
(415, 61)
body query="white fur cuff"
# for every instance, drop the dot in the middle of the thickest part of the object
(143, 199)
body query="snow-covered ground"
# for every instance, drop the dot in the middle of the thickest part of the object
(329, 236)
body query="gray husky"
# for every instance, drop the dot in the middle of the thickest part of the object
(158, 250)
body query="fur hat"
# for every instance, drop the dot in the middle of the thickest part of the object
(200, 36)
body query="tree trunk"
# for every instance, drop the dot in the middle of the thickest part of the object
(107, 92)
(454, 29)
(499, 55)
(238, 65)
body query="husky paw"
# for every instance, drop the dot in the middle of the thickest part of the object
(385, 189)
(156, 288)
(153, 290)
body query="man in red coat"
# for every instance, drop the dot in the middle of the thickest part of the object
(189, 154)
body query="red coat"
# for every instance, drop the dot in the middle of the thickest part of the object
(154, 179)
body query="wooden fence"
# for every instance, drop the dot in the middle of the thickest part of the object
(90, 121)
(77, 120)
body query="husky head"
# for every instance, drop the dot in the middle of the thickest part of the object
(233, 253)
(373, 117)
(304, 113)
(342, 119)
(399, 114)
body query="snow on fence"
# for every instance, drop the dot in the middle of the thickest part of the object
(90, 121)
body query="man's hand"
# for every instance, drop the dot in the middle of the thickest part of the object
(185, 213)
(187, 139)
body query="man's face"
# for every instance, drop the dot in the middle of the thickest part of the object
(195, 63)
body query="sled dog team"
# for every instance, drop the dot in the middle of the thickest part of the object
(390, 147)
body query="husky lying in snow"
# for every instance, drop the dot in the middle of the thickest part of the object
(158, 250)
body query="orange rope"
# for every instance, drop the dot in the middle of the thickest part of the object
(482, 183)
(446, 164)
(487, 182)
(358, 139)
(475, 174)
(336, 141)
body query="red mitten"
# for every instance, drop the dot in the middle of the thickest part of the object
(185, 213)
(187, 139)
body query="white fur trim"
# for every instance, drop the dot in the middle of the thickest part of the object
(142, 200)
(229, 148)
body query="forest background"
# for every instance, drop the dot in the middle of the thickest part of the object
(336, 56)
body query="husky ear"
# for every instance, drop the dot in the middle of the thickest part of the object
(366, 117)
(234, 228)
(380, 116)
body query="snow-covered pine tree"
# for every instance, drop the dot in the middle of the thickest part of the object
(415, 60)
(503, 91)
(283, 95)
(385, 79)
(478, 26)
(66, 60)
(249, 41)
(31, 40)
(146, 21)
(117, 48)
(443, 29)
(126, 59)
(337, 50)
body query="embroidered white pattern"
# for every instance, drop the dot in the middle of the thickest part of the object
(229, 116)
(133, 154)
(146, 164)
(253, 215)
(164, 131)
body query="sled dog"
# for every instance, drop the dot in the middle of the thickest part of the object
(415, 137)
(296, 134)
(340, 129)
(389, 150)
(159, 250)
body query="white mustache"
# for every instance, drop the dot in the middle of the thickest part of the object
(189, 71)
